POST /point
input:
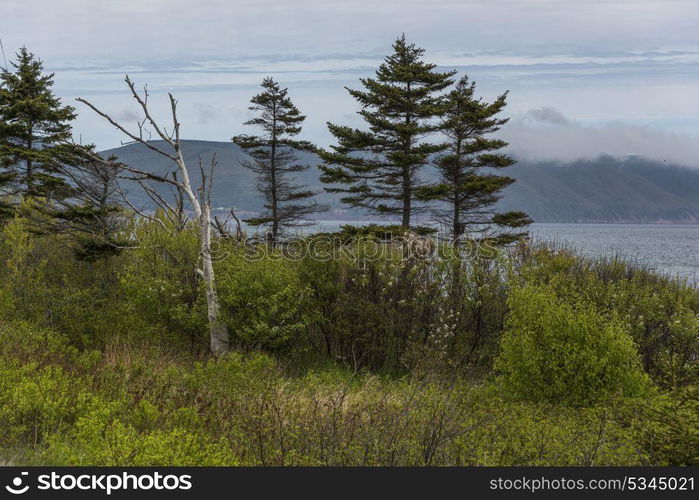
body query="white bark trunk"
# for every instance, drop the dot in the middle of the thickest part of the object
(202, 207)
(218, 332)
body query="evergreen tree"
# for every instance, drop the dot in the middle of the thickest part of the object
(275, 160)
(69, 191)
(32, 123)
(90, 210)
(378, 169)
(468, 186)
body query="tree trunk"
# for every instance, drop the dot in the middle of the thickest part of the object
(406, 204)
(407, 184)
(458, 226)
(218, 331)
(29, 164)
(273, 172)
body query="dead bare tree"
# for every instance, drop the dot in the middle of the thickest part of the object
(173, 211)
(200, 202)
(222, 226)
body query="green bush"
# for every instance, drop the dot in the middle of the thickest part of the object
(42, 282)
(263, 301)
(150, 407)
(389, 306)
(660, 313)
(667, 427)
(369, 359)
(163, 298)
(99, 438)
(553, 351)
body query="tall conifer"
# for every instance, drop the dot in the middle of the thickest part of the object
(274, 156)
(379, 169)
(468, 186)
(33, 123)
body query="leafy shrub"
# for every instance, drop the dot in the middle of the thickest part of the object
(100, 438)
(263, 301)
(660, 313)
(387, 306)
(136, 407)
(162, 294)
(668, 427)
(42, 282)
(381, 232)
(552, 351)
(105, 362)
(35, 402)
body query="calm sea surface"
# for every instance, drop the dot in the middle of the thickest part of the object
(670, 249)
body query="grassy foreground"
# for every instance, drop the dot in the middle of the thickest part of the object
(539, 358)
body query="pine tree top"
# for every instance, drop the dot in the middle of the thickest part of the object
(278, 115)
(278, 118)
(404, 83)
(26, 98)
(469, 116)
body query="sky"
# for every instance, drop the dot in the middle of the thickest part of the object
(619, 77)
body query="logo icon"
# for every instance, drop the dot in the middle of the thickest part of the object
(17, 483)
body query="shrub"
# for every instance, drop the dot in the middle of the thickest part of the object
(42, 282)
(553, 351)
(102, 439)
(667, 427)
(105, 362)
(35, 402)
(389, 306)
(163, 297)
(263, 301)
(660, 313)
(136, 407)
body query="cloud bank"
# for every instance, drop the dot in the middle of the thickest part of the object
(546, 134)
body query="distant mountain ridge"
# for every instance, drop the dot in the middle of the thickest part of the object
(606, 189)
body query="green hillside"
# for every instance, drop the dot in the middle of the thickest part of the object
(601, 190)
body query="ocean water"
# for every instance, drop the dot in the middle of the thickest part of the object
(671, 249)
(668, 248)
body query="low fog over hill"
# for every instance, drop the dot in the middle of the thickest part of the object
(601, 190)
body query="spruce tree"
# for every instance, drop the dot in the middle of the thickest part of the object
(379, 169)
(70, 193)
(274, 156)
(32, 123)
(468, 186)
(90, 211)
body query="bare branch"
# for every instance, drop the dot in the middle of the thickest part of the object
(143, 102)
(138, 138)
(122, 166)
(176, 124)
(218, 331)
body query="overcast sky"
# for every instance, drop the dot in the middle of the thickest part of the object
(585, 77)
